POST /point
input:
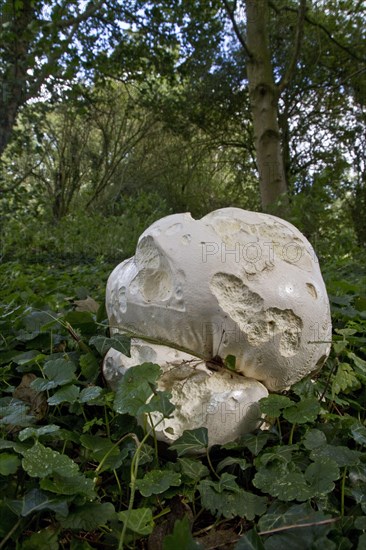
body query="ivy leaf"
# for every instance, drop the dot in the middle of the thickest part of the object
(304, 411)
(36, 500)
(58, 372)
(160, 402)
(135, 388)
(103, 449)
(320, 475)
(192, 441)
(40, 461)
(228, 503)
(139, 521)
(89, 516)
(193, 468)
(37, 432)
(254, 443)
(9, 464)
(181, 537)
(66, 394)
(280, 453)
(119, 342)
(274, 404)
(282, 515)
(157, 481)
(251, 541)
(89, 366)
(233, 461)
(82, 321)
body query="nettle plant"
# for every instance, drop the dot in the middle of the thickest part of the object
(80, 466)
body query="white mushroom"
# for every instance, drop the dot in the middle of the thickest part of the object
(224, 402)
(234, 283)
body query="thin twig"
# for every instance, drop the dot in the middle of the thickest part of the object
(297, 47)
(299, 526)
(236, 29)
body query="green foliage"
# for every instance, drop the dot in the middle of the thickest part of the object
(78, 461)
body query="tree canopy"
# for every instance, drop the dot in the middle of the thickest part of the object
(271, 90)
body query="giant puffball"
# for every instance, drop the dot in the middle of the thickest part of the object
(232, 284)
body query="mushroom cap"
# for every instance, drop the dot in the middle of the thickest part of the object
(224, 402)
(235, 283)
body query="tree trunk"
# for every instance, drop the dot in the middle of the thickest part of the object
(264, 97)
(13, 81)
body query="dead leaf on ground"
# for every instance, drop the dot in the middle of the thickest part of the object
(89, 304)
(37, 400)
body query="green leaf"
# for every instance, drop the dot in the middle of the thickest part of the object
(192, 441)
(274, 404)
(279, 481)
(66, 394)
(135, 388)
(90, 393)
(40, 461)
(251, 541)
(36, 500)
(58, 372)
(230, 362)
(160, 402)
(314, 439)
(361, 542)
(360, 363)
(320, 475)
(280, 514)
(233, 461)
(89, 516)
(254, 443)
(229, 503)
(89, 366)
(82, 321)
(139, 521)
(304, 411)
(193, 468)
(280, 453)
(15, 412)
(37, 432)
(119, 342)
(289, 517)
(358, 432)
(9, 464)
(181, 537)
(157, 481)
(345, 379)
(103, 449)
(342, 455)
(47, 539)
(74, 485)
(360, 523)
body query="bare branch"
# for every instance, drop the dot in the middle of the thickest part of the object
(299, 34)
(322, 28)
(239, 35)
